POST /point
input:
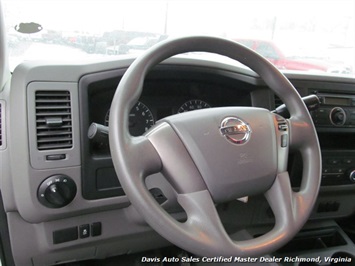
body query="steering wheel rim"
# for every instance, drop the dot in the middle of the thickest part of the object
(203, 234)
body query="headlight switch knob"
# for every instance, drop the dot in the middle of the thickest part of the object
(56, 191)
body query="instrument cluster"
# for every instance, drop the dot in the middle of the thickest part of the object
(162, 98)
(141, 117)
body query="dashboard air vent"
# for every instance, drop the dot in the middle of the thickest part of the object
(278, 101)
(53, 120)
(1, 124)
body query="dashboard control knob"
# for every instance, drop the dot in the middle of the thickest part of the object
(352, 176)
(337, 116)
(56, 191)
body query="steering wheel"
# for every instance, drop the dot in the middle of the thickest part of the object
(217, 155)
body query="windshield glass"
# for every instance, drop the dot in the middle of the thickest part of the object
(313, 36)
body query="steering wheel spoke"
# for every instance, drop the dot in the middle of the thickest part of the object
(177, 165)
(203, 224)
(281, 200)
(142, 157)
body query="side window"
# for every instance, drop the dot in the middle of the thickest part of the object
(266, 50)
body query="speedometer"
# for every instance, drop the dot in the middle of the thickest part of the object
(193, 105)
(140, 119)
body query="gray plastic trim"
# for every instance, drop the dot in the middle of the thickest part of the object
(38, 158)
(24, 179)
(32, 243)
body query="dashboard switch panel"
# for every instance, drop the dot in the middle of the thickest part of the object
(338, 169)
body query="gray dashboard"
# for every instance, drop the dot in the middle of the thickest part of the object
(98, 199)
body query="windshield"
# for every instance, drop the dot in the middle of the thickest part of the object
(312, 36)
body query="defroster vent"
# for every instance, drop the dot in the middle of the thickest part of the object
(53, 120)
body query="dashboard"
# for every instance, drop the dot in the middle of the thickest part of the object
(47, 149)
(170, 90)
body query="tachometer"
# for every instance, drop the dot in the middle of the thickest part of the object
(140, 119)
(193, 105)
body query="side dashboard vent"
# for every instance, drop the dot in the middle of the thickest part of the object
(53, 120)
(1, 124)
(278, 101)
